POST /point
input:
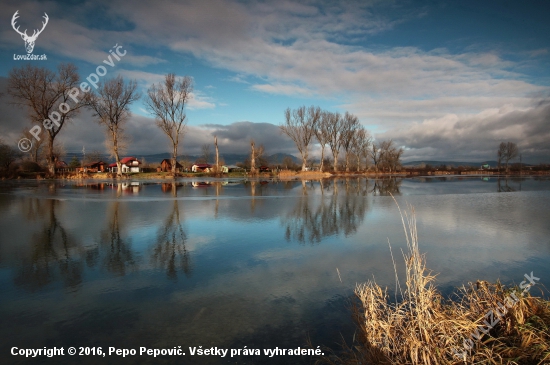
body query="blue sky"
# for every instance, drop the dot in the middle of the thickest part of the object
(444, 79)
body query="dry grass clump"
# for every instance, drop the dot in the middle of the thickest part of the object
(421, 327)
(303, 174)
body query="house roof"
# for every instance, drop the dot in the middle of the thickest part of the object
(125, 160)
(95, 163)
(169, 162)
(61, 164)
(202, 165)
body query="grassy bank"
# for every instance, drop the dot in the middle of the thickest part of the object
(484, 324)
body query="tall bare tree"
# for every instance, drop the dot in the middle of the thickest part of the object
(217, 154)
(350, 125)
(507, 151)
(360, 145)
(111, 106)
(300, 125)
(255, 154)
(334, 136)
(166, 101)
(374, 153)
(322, 134)
(42, 92)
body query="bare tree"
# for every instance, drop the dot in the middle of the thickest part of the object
(255, 154)
(500, 154)
(35, 153)
(206, 154)
(111, 106)
(334, 139)
(217, 154)
(507, 151)
(93, 156)
(360, 144)
(300, 125)
(8, 155)
(167, 103)
(390, 156)
(374, 153)
(322, 134)
(45, 94)
(350, 125)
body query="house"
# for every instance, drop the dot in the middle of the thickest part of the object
(166, 165)
(128, 165)
(264, 169)
(201, 167)
(231, 168)
(61, 166)
(98, 166)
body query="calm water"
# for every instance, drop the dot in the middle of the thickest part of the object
(258, 264)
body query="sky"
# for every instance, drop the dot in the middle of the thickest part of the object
(446, 80)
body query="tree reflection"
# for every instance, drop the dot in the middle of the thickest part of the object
(386, 186)
(119, 256)
(503, 187)
(53, 253)
(170, 252)
(315, 217)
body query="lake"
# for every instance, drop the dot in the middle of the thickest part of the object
(237, 264)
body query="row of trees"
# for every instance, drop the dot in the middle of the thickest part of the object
(341, 133)
(45, 93)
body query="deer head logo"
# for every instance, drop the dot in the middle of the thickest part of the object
(29, 41)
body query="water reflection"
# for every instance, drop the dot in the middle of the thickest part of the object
(316, 217)
(119, 257)
(53, 252)
(387, 186)
(170, 252)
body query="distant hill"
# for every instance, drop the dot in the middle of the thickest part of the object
(451, 163)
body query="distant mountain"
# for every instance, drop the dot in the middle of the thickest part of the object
(451, 163)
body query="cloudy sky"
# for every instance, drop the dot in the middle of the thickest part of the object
(447, 80)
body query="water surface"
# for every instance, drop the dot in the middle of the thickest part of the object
(240, 263)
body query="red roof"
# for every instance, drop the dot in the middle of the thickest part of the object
(113, 164)
(125, 160)
(203, 165)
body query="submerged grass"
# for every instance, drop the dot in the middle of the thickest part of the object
(422, 327)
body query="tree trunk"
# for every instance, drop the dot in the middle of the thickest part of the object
(322, 158)
(347, 162)
(174, 160)
(217, 155)
(117, 157)
(335, 161)
(253, 158)
(51, 157)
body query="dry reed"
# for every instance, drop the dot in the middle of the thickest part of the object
(422, 327)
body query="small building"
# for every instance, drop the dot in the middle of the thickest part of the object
(264, 169)
(61, 166)
(128, 165)
(166, 165)
(201, 167)
(98, 166)
(231, 168)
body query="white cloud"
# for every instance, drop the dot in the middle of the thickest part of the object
(197, 101)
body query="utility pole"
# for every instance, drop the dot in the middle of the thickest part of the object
(83, 156)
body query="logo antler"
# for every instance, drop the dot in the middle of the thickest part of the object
(29, 41)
